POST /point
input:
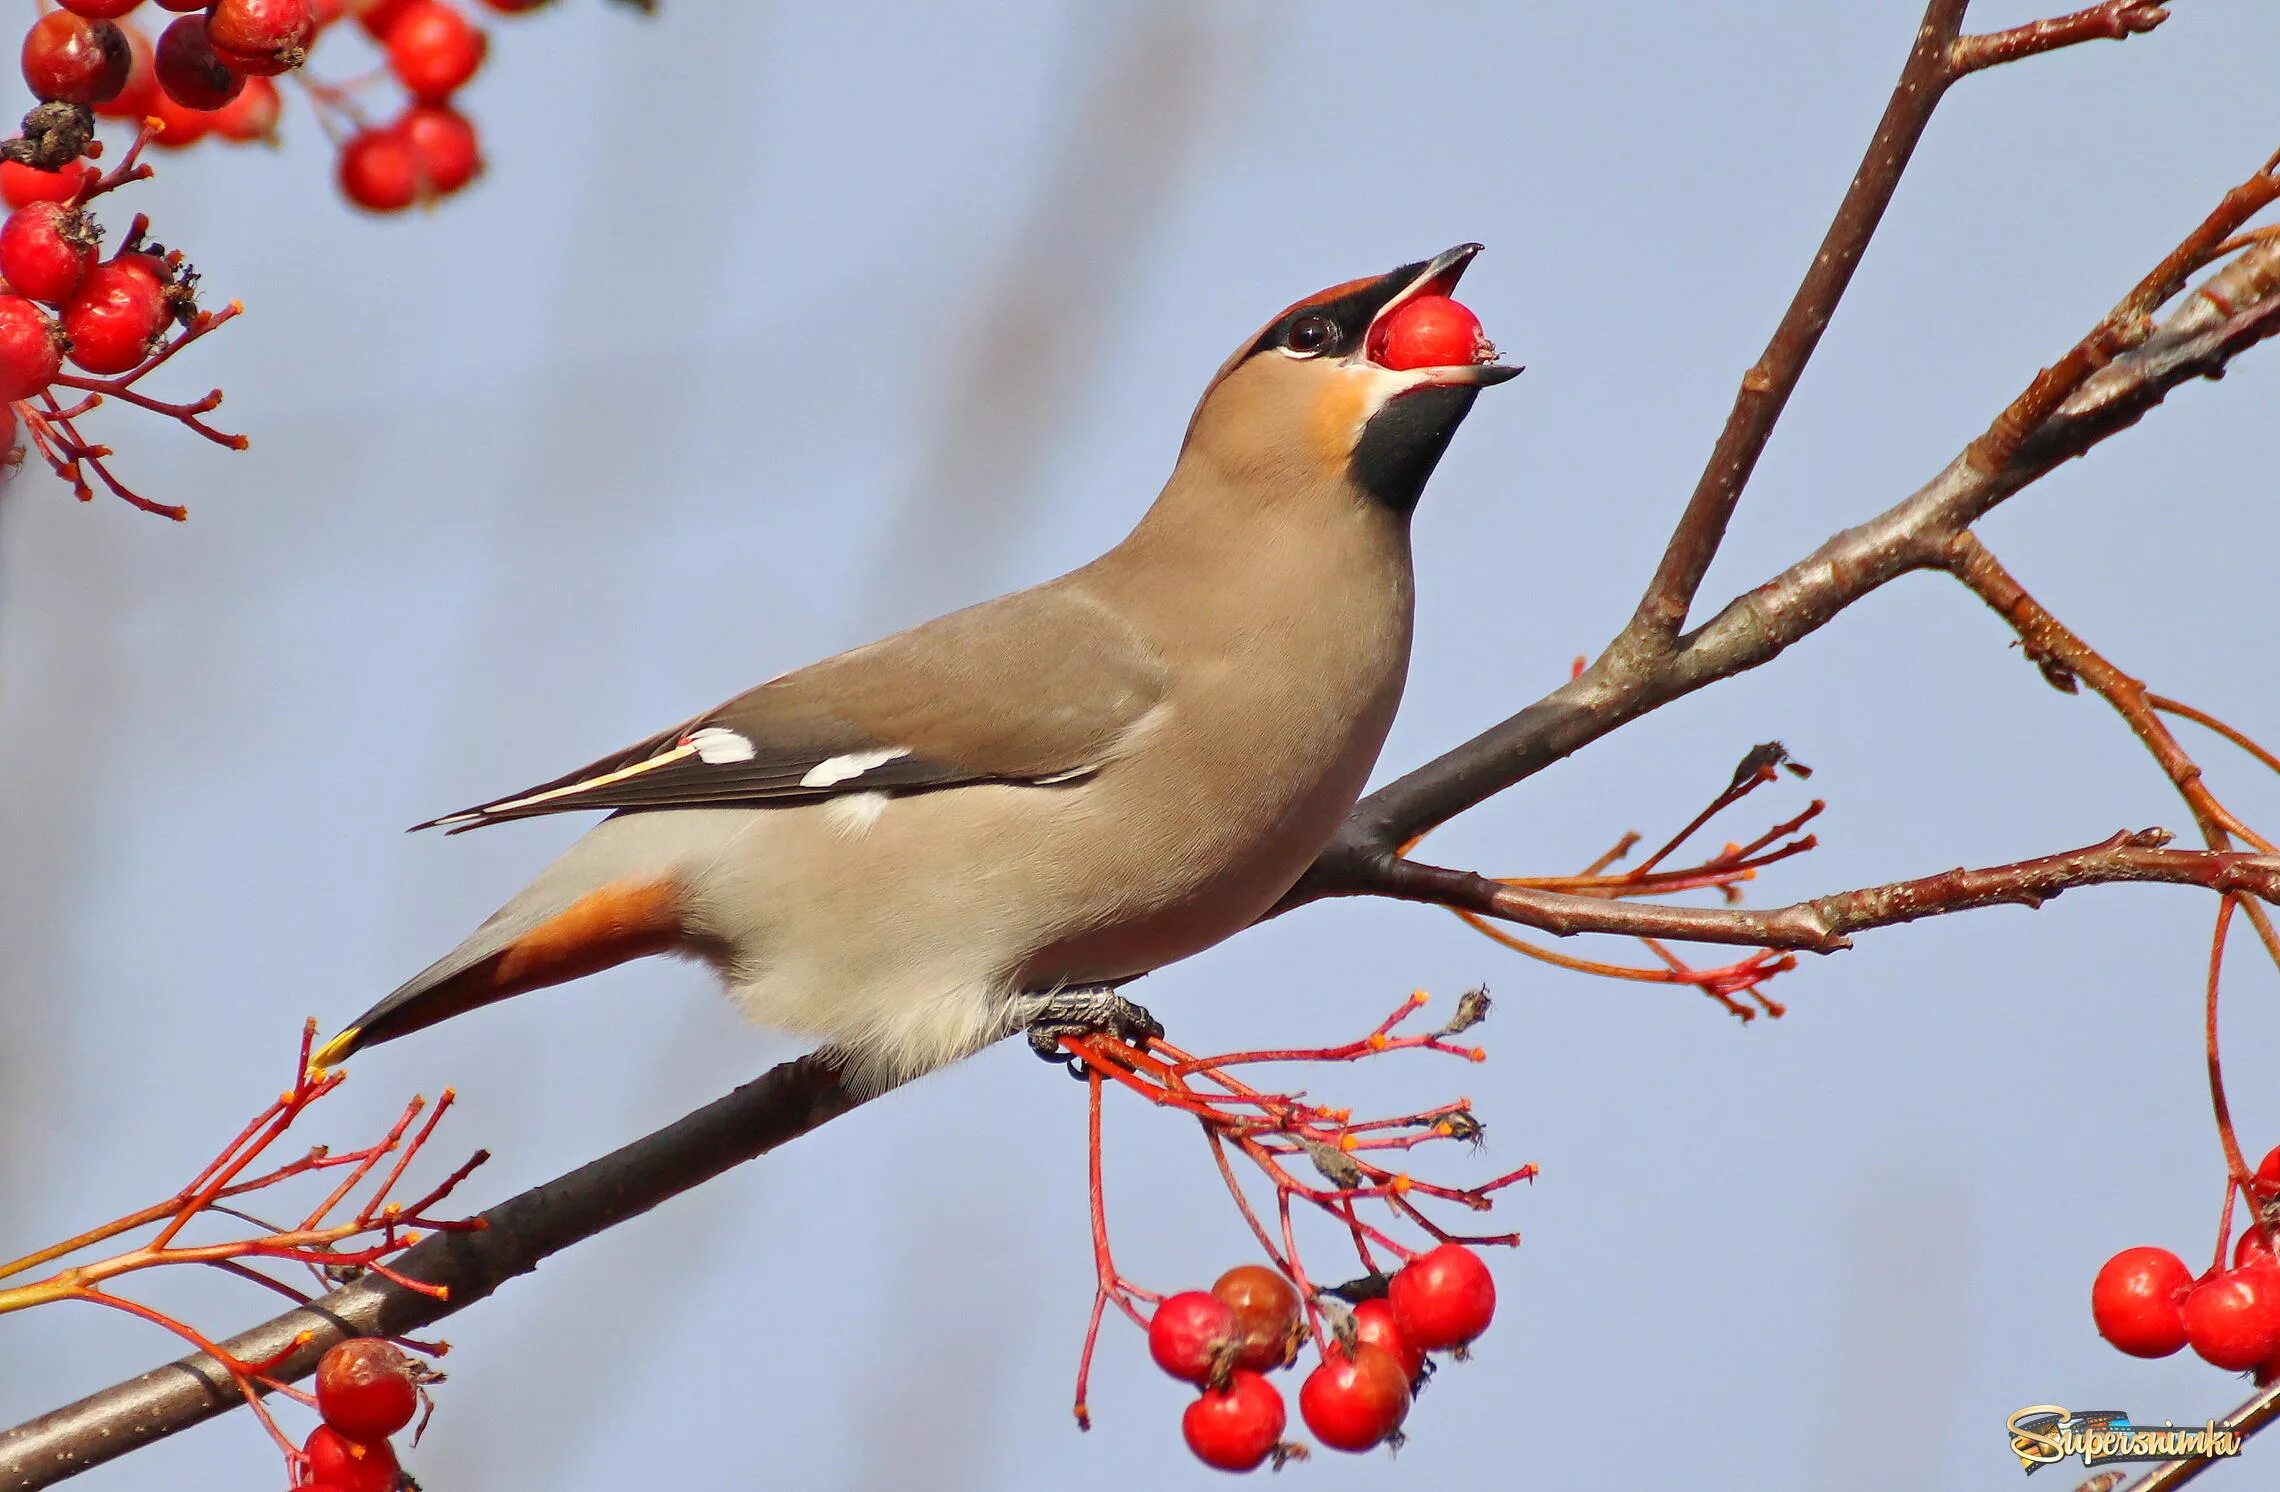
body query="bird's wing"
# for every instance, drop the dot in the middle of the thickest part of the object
(1040, 687)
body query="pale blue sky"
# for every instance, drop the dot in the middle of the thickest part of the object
(779, 325)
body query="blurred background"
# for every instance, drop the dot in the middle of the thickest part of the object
(776, 326)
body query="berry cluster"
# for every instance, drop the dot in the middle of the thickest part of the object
(366, 1392)
(2148, 1303)
(1227, 1339)
(209, 73)
(112, 319)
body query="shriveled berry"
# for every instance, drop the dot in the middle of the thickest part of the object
(133, 101)
(1444, 1298)
(2233, 1319)
(45, 248)
(1192, 1335)
(1266, 1315)
(1431, 331)
(262, 38)
(378, 171)
(31, 353)
(1352, 1402)
(74, 59)
(115, 318)
(252, 115)
(351, 1465)
(1236, 1428)
(188, 69)
(1375, 1323)
(2137, 1301)
(433, 49)
(444, 143)
(365, 1389)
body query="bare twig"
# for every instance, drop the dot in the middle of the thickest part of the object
(1822, 924)
(1766, 387)
(2116, 20)
(2257, 1414)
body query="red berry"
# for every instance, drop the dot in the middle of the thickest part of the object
(99, 10)
(1444, 1298)
(378, 171)
(181, 126)
(1375, 1323)
(44, 249)
(1352, 1403)
(433, 49)
(2254, 1246)
(188, 69)
(2233, 1319)
(262, 37)
(1236, 1428)
(252, 115)
(514, 7)
(2268, 1169)
(72, 58)
(376, 16)
(1266, 1315)
(2137, 1298)
(183, 5)
(21, 184)
(351, 1465)
(365, 1389)
(1431, 331)
(444, 144)
(116, 317)
(133, 101)
(1192, 1335)
(31, 353)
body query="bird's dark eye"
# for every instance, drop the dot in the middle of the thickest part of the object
(1311, 334)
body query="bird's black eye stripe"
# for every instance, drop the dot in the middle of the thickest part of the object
(1311, 334)
(1348, 316)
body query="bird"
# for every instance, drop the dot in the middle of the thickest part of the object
(995, 820)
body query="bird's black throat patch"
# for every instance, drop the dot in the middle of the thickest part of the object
(1402, 444)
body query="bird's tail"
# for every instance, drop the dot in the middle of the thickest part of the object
(540, 938)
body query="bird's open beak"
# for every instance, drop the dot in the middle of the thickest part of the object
(1439, 277)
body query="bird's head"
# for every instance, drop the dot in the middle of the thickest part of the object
(1316, 393)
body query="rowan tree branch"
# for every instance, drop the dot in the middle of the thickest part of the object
(1821, 925)
(2256, 1414)
(780, 1105)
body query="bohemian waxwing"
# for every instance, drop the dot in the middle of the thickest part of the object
(988, 821)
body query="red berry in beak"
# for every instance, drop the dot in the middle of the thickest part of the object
(1431, 331)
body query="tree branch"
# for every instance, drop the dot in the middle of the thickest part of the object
(2257, 1414)
(1821, 925)
(1766, 387)
(780, 1105)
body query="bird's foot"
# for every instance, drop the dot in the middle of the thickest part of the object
(1093, 1011)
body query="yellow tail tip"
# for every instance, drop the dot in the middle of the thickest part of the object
(335, 1051)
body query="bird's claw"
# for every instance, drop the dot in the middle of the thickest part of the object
(1087, 1012)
